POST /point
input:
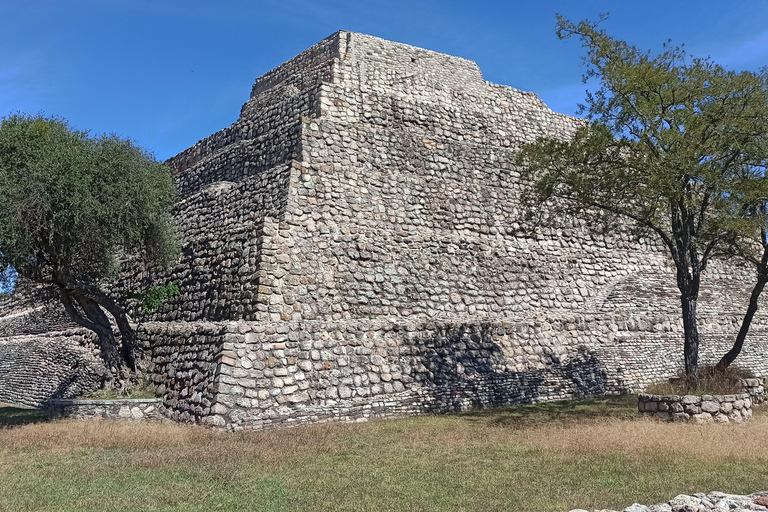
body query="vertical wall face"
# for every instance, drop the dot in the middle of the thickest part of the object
(352, 247)
(234, 187)
(230, 185)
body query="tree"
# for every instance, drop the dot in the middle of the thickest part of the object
(675, 148)
(754, 251)
(70, 205)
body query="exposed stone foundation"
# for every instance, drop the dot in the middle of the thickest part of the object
(124, 410)
(756, 390)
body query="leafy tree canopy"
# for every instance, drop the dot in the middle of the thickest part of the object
(677, 146)
(70, 204)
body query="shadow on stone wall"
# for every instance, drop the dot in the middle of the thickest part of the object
(34, 371)
(464, 367)
(82, 377)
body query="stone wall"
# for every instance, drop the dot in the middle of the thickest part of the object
(756, 390)
(37, 367)
(712, 502)
(352, 247)
(697, 409)
(122, 410)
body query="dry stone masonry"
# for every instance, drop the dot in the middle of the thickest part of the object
(697, 409)
(756, 390)
(134, 410)
(352, 248)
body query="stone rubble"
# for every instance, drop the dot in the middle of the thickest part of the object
(700, 502)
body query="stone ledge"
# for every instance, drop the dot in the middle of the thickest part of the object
(700, 409)
(96, 401)
(140, 409)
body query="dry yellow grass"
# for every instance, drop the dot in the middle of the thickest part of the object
(647, 438)
(588, 454)
(68, 435)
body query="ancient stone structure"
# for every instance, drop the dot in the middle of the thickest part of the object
(756, 390)
(697, 409)
(352, 248)
(135, 409)
(41, 356)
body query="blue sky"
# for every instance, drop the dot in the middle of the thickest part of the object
(168, 73)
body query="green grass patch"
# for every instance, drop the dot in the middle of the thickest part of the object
(13, 416)
(594, 453)
(134, 391)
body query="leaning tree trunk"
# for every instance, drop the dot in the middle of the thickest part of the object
(732, 354)
(84, 307)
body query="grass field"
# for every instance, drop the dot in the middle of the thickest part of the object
(550, 457)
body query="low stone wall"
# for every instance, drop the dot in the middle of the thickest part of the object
(756, 390)
(697, 409)
(127, 409)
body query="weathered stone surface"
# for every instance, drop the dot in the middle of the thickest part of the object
(353, 248)
(712, 502)
(126, 410)
(719, 409)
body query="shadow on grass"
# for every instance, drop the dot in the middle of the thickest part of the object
(16, 416)
(565, 412)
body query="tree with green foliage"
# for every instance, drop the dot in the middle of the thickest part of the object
(70, 206)
(676, 148)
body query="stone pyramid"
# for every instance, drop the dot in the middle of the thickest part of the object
(353, 249)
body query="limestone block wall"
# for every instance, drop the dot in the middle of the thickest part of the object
(404, 210)
(181, 362)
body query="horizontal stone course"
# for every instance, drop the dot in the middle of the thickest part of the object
(701, 409)
(124, 410)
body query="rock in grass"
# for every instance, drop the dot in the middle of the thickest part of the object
(700, 502)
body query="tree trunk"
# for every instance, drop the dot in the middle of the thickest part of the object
(732, 354)
(689, 265)
(128, 347)
(87, 313)
(691, 332)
